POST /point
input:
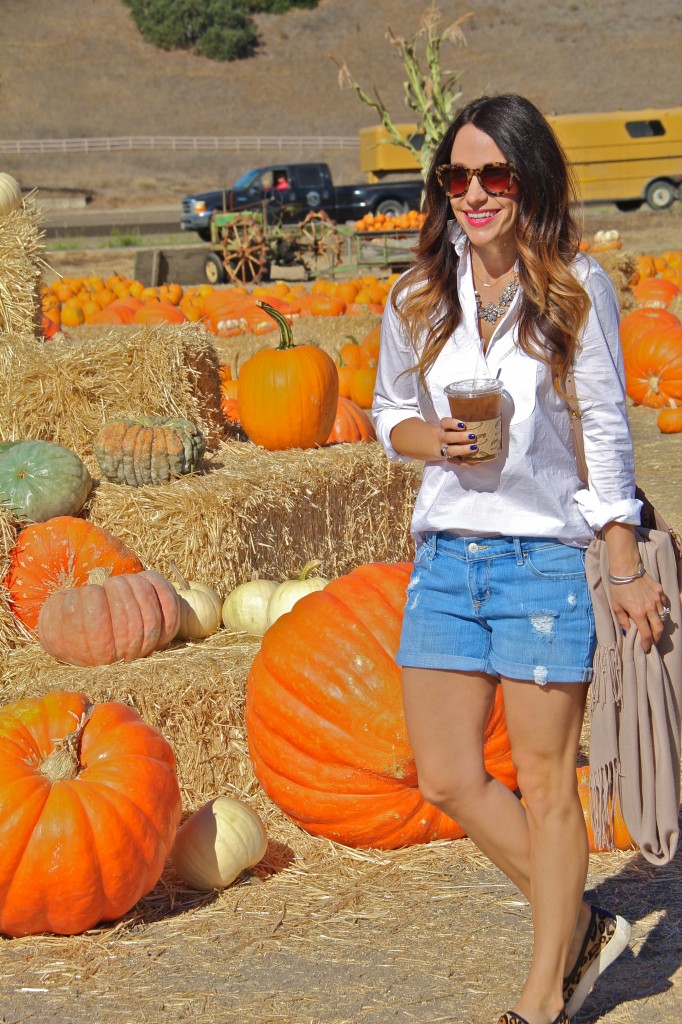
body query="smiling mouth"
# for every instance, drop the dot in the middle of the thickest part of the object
(482, 217)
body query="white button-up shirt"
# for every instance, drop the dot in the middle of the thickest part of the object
(532, 488)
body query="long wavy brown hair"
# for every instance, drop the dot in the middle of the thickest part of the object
(553, 306)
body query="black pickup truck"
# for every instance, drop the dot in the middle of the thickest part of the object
(290, 191)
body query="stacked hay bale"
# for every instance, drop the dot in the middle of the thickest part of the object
(21, 267)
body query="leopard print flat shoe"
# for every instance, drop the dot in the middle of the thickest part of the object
(514, 1018)
(606, 938)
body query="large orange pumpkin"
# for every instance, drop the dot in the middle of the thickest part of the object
(653, 368)
(89, 807)
(61, 552)
(351, 424)
(120, 619)
(324, 718)
(644, 322)
(288, 395)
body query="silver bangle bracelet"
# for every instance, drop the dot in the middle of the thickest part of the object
(627, 579)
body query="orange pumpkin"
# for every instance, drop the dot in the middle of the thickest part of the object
(362, 386)
(669, 420)
(120, 619)
(369, 346)
(61, 552)
(655, 291)
(644, 322)
(351, 424)
(89, 807)
(653, 368)
(622, 840)
(350, 354)
(345, 378)
(324, 718)
(288, 395)
(159, 313)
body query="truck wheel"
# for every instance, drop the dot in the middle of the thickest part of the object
(628, 204)
(391, 207)
(204, 234)
(214, 271)
(660, 194)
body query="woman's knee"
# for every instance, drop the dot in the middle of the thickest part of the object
(547, 788)
(450, 789)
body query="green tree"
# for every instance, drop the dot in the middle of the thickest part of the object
(219, 29)
(431, 92)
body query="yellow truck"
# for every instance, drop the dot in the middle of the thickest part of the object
(625, 156)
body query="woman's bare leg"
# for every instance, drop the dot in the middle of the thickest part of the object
(544, 726)
(446, 714)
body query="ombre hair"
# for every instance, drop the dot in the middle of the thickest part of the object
(554, 306)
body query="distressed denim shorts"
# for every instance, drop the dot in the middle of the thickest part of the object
(513, 606)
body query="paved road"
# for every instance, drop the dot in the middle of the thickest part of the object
(150, 220)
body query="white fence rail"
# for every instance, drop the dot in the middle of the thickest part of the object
(181, 143)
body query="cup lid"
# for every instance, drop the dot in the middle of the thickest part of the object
(476, 386)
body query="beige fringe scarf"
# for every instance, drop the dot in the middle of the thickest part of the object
(636, 710)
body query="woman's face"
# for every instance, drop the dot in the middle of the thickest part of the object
(487, 220)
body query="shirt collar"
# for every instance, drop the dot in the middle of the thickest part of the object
(457, 236)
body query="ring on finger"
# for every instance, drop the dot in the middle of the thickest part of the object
(663, 615)
(444, 450)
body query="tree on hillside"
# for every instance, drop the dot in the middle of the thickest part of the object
(218, 29)
(431, 92)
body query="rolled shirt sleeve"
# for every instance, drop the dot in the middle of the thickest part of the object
(600, 388)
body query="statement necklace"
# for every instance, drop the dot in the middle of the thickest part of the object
(494, 310)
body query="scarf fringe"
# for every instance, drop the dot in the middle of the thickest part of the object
(602, 805)
(607, 677)
(606, 693)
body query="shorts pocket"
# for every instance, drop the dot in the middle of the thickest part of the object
(426, 549)
(556, 562)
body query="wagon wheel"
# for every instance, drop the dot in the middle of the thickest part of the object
(318, 237)
(246, 251)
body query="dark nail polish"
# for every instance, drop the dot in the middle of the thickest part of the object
(461, 426)
(472, 437)
(474, 447)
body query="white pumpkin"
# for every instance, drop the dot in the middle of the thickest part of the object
(10, 194)
(217, 843)
(200, 609)
(288, 593)
(246, 607)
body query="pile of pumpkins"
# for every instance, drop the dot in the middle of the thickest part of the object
(380, 222)
(303, 383)
(651, 339)
(226, 311)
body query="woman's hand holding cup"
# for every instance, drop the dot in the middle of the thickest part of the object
(456, 440)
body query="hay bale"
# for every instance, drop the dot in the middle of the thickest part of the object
(620, 265)
(63, 390)
(192, 693)
(21, 267)
(269, 513)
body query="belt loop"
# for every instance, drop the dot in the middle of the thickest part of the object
(519, 552)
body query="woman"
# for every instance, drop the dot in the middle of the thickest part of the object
(498, 595)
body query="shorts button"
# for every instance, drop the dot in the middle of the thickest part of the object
(473, 547)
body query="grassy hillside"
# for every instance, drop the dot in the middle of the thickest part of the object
(80, 68)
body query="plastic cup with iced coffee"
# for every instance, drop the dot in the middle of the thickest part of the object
(478, 403)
